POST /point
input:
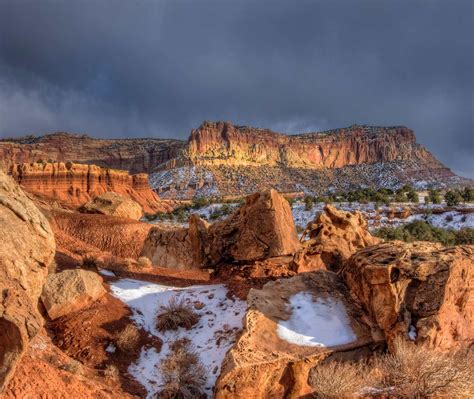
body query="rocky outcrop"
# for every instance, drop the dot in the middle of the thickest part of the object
(332, 238)
(74, 184)
(225, 159)
(262, 228)
(115, 205)
(421, 291)
(264, 363)
(133, 155)
(26, 249)
(224, 143)
(70, 291)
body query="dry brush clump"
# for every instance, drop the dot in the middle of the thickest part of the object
(127, 340)
(416, 372)
(332, 380)
(176, 314)
(183, 374)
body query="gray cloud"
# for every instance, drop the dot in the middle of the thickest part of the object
(142, 68)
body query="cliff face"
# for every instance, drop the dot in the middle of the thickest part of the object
(74, 184)
(222, 143)
(134, 155)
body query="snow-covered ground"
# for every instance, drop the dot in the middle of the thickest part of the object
(214, 334)
(323, 322)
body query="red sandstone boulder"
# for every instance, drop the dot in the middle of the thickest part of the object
(262, 228)
(420, 291)
(70, 291)
(115, 205)
(26, 249)
(333, 237)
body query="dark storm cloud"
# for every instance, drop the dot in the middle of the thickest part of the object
(139, 68)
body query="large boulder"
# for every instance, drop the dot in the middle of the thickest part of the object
(291, 325)
(420, 291)
(262, 228)
(333, 237)
(115, 205)
(70, 291)
(26, 249)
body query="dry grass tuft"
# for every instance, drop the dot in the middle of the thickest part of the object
(143, 262)
(182, 372)
(176, 314)
(111, 372)
(128, 339)
(334, 379)
(416, 372)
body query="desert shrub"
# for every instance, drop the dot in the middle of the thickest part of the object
(453, 198)
(143, 262)
(308, 202)
(468, 194)
(176, 314)
(416, 372)
(420, 230)
(182, 372)
(333, 380)
(199, 202)
(111, 372)
(434, 196)
(449, 218)
(127, 339)
(73, 367)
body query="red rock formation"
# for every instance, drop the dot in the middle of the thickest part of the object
(134, 155)
(420, 289)
(74, 184)
(26, 249)
(263, 227)
(332, 238)
(224, 143)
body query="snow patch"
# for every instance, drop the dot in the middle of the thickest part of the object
(214, 334)
(412, 332)
(108, 273)
(322, 323)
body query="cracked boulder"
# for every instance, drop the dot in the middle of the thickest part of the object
(420, 291)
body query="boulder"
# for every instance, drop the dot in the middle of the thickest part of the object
(291, 325)
(115, 205)
(420, 291)
(333, 237)
(26, 250)
(263, 227)
(70, 291)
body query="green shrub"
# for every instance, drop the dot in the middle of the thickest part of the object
(420, 230)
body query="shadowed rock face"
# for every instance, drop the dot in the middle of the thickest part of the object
(26, 249)
(74, 184)
(422, 287)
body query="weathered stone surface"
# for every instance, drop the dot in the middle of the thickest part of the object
(26, 250)
(115, 205)
(333, 237)
(75, 184)
(70, 291)
(263, 227)
(262, 364)
(423, 285)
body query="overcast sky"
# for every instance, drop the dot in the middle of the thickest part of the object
(158, 69)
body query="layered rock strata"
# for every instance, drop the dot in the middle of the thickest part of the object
(74, 184)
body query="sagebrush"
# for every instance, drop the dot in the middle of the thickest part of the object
(178, 313)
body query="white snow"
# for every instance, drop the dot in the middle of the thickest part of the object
(214, 334)
(412, 332)
(323, 322)
(108, 273)
(111, 348)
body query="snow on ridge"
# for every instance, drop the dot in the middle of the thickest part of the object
(322, 323)
(214, 334)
